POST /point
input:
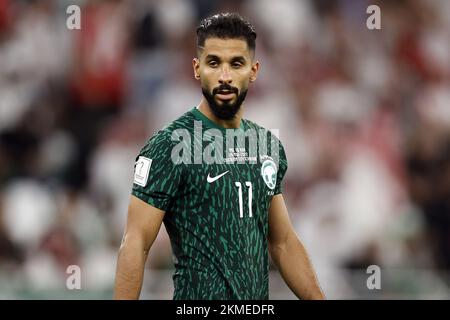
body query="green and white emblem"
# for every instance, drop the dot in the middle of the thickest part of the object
(269, 173)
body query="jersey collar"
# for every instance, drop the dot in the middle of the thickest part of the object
(200, 116)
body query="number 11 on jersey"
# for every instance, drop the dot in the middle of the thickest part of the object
(250, 196)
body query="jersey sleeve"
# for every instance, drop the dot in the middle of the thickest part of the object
(157, 178)
(282, 168)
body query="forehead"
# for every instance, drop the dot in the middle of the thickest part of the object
(225, 48)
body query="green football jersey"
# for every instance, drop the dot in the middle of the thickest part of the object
(215, 191)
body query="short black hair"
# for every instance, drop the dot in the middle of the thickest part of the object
(226, 26)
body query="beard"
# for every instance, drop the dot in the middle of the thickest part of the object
(227, 110)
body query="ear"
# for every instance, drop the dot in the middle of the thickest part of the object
(254, 71)
(196, 67)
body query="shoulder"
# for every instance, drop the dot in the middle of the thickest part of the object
(271, 134)
(162, 139)
(273, 141)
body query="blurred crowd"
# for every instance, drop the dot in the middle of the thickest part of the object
(364, 116)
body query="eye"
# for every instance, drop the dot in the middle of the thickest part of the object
(213, 63)
(236, 65)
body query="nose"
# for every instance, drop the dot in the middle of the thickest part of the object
(225, 75)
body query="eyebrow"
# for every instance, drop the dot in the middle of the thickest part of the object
(240, 59)
(210, 57)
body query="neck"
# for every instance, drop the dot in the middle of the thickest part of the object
(228, 124)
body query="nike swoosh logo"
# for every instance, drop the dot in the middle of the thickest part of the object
(212, 179)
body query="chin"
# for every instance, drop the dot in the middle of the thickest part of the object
(225, 102)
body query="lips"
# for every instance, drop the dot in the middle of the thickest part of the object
(225, 95)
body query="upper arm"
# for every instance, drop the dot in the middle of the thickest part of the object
(143, 222)
(280, 227)
(156, 183)
(158, 179)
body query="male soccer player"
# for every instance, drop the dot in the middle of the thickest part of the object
(223, 216)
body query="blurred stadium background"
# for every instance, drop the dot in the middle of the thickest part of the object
(364, 116)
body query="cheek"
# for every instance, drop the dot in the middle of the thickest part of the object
(244, 79)
(243, 84)
(206, 85)
(207, 79)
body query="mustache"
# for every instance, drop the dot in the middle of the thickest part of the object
(225, 87)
